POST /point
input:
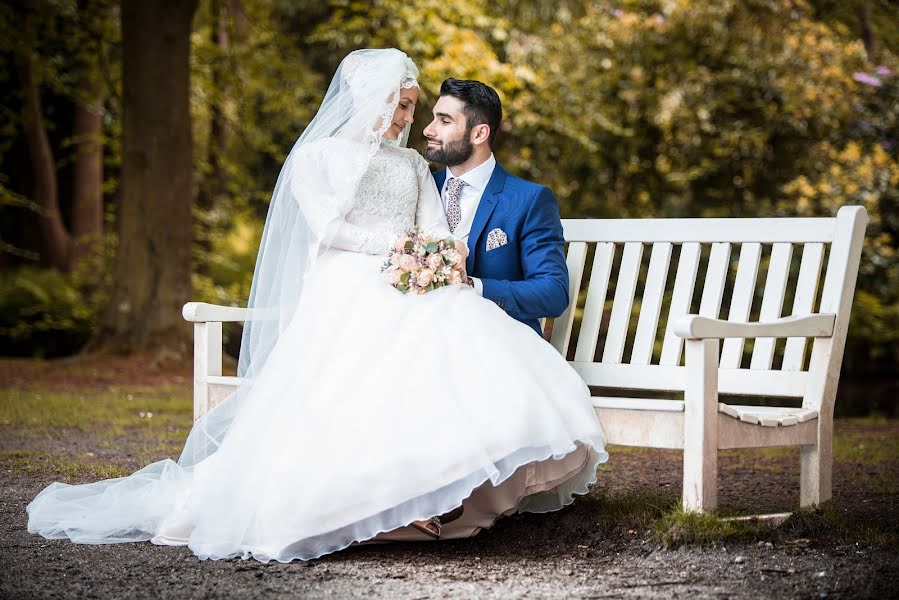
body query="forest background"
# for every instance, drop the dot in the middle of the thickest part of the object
(140, 140)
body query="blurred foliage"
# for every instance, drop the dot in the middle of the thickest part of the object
(633, 108)
(46, 313)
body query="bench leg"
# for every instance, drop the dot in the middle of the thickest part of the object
(817, 462)
(701, 426)
(207, 361)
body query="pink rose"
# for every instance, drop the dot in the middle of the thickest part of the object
(393, 276)
(408, 263)
(400, 244)
(453, 256)
(425, 277)
(435, 261)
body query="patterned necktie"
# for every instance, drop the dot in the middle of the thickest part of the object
(453, 207)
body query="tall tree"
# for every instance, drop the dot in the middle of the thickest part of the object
(213, 179)
(62, 246)
(54, 236)
(152, 274)
(90, 94)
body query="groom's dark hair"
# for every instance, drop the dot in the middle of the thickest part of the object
(481, 103)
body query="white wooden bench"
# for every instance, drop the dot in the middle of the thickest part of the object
(683, 357)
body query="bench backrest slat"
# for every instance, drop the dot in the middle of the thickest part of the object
(772, 302)
(577, 255)
(803, 301)
(741, 301)
(596, 301)
(625, 287)
(661, 378)
(715, 278)
(651, 307)
(682, 295)
(704, 231)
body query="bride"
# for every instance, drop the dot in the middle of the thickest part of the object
(368, 415)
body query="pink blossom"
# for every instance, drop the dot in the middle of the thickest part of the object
(400, 244)
(867, 79)
(425, 277)
(408, 263)
(453, 256)
(883, 71)
(393, 276)
(435, 261)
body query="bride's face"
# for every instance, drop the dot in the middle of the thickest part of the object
(405, 110)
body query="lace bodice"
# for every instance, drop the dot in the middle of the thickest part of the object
(395, 193)
(387, 195)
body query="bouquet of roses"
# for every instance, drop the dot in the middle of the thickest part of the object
(421, 263)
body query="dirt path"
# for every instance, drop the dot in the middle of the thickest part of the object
(606, 545)
(523, 557)
(577, 553)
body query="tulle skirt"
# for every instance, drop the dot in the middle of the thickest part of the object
(375, 409)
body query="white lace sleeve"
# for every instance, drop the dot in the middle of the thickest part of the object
(312, 179)
(430, 216)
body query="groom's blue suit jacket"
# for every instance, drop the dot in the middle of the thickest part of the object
(527, 277)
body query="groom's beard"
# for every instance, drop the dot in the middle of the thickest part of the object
(451, 153)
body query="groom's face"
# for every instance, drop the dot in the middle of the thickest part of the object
(449, 135)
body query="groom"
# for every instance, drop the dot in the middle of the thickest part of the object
(511, 226)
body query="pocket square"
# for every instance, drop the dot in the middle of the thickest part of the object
(496, 238)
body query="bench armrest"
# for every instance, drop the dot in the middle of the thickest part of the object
(695, 327)
(201, 312)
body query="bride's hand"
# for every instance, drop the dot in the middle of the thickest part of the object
(461, 248)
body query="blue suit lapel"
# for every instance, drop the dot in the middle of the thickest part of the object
(439, 178)
(488, 202)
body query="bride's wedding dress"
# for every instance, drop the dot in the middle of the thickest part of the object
(373, 410)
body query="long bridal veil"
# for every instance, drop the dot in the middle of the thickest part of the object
(307, 209)
(304, 215)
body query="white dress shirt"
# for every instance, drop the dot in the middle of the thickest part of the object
(469, 198)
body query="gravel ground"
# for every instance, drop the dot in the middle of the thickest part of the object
(574, 553)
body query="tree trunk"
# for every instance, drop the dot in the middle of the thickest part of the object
(213, 181)
(87, 209)
(868, 37)
(54, 237)
(152, 274)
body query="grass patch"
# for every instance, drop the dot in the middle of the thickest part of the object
(637, 508)
(117, 407)
(91, 435)
(866, 444)
(679, 527)
(668, 524)
(67, 468)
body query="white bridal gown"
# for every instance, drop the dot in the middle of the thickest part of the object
(375, 409)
